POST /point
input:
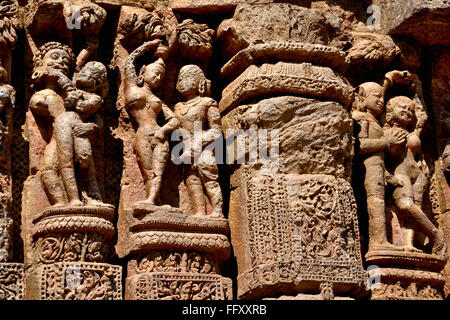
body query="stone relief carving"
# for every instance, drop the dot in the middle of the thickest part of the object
(162, 227)
(152, 143)
(162, 83)
(410, 177)
(373, 142)
(199, 116)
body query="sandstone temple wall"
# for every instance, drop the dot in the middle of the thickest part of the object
(224, 149)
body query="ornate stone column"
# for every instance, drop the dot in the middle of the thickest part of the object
(293, 219)
(11, 274)
(67, 227)
(174, 251)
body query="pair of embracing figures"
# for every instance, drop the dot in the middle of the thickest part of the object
(197, 110)
(398, 143)
(74, 106)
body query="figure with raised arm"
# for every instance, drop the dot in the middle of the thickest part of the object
(152, 144)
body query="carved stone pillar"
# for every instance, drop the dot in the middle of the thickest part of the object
(11, 274)
(172, 254)
(67, 228)
(440, 187)
(293, 219)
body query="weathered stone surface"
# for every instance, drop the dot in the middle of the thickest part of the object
(165, 135)
(424, 21)
(210, 6)
(256, 24)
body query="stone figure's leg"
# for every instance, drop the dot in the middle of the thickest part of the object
(419, 187)
(374, 184)
(64, 140)
(50, 177)
(160, 156)
(210, 176)
(195, 190)
(144, 153)
(83, 151)
(405, 202)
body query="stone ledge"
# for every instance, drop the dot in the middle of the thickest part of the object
(210, 6)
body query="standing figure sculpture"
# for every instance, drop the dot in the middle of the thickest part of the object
(73, 134)
(69, 106)
(51, 60)
(409, 178)
(196, 113)
(373, 142)
(151, 145)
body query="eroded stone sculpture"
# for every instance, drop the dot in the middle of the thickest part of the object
(199, 116)
(396, 180)
(373, 142)
(67, 225)
(152, 143)
(171, 226)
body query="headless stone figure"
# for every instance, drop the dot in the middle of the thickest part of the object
(197, 113)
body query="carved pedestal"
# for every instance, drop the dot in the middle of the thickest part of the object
(176, 257)
(405, 276)
(69, 253)
(293, 216)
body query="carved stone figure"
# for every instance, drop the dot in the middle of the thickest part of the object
(372, 143)
(163, 232)
(409, 177)
(73, 134)
(152, 145)
(199, 116)
(52, 59)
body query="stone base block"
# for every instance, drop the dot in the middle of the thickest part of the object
(74, 281)
(11, 281)
(404, 284)
(178, 286)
